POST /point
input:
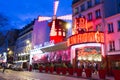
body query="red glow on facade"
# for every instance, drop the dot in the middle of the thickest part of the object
(81, 23)
(57, 39)
(86, 37)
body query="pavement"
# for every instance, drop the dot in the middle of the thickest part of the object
(35, 75)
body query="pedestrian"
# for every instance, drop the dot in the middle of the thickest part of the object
(79, 64)
(4, 65)
(30, 67)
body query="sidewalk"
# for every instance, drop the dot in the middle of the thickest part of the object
(94, 76)
(36, 75)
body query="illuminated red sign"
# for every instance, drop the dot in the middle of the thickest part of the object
(81, 23)
(86, 37)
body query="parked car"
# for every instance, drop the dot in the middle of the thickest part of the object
(9, 66)
(19, 66)
(13, 67)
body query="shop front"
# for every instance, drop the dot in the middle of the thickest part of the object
(113, 62)
(55, 54)
(86, 48)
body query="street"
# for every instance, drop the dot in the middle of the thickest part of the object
(26, 75)
(35, 75)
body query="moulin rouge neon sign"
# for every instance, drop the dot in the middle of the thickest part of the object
(81, 23)
(86, 37)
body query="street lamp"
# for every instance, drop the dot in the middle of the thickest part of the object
(28, 46)
(28, 42)
(68, 26)
(8, 49)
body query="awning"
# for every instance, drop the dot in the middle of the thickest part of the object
(56, 47)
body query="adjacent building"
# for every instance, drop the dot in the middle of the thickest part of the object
(7, 44)
(112, 35)
(23, 43)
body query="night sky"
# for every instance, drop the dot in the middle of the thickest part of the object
(22, 12)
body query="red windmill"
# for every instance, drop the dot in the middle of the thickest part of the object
(57, 32)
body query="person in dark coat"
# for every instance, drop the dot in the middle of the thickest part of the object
(4, 65)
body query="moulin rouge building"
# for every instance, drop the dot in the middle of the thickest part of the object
(89, 42)
(83, 45)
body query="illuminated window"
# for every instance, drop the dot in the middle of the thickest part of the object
(110, 28)
(98, 14)
(82, 7)
(89, 3)
(118, 25)
(76, 10)
(59, 33)
(97, 2)
(63, 33)
(111, 46)
(89, 16)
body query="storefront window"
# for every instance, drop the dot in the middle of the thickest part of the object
(89, 53)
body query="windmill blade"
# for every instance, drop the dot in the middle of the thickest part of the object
(53, 32)
(55, 6)
(66, 17)
(43, 18)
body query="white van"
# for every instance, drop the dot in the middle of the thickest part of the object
(20, 66)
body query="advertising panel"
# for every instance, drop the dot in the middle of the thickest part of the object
(91, 53)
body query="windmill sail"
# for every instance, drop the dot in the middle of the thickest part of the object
(56, 33)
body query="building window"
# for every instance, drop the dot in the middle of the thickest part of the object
(89, 4)
(110, 28)
(59, 33)
(118, 25)
(99, 27)
(76, 10)
(119, 44)
(97, 2)
(111, 46)
(82, 7)
(98, 14)
(89, 16)
(63, 33)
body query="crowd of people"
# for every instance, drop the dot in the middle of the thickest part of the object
(93, 65)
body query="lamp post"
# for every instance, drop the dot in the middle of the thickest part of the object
(9, 55)
(28, 46)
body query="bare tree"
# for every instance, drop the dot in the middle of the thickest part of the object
(2, 38)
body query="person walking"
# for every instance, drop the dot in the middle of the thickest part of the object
(4, 66)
